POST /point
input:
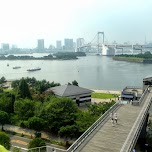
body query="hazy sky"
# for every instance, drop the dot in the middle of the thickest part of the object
(25, 21)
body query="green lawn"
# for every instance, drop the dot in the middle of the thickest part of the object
(103, 95)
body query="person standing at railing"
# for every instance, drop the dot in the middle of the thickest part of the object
(111, 115)
(115, 117)
(53, 150)
(112, 120)
(148, 90)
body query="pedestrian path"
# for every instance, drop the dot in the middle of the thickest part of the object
(28, 132)
(23, 142)
(111, 138)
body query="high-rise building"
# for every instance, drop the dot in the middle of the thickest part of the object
(58, 45)
(14, 46)
(80, 42)
(68, 43)
(40, 45)
(5, 46)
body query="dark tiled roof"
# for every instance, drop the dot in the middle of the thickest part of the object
(69, 90)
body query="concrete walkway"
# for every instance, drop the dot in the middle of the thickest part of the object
(28, 132)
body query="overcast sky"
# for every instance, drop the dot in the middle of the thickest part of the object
(25, 21)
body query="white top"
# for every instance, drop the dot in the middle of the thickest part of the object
(111, 115)
(115, 116)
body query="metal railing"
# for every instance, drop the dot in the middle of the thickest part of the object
(137, 127)
(15, 148)
(40, 149)
(81, 139)
(143, 95)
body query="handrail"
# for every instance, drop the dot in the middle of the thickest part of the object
(39, 148)
(81, 139)
(143, 95)
(134, 133)
(55, 148)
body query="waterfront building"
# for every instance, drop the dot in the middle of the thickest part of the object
(74, 44)
(68, 44)
(5, 46)
(76, 93)
(131, 93)
(51, 47)
(58, 45)
(14, 46)
(40, 45)
(79, 43)
(147, 81)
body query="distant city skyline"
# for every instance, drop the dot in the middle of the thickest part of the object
(25, 21)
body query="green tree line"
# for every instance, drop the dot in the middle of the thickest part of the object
(27, 105)
(146, 55)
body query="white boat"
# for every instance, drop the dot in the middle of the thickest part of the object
(16, 67)
(34, 69)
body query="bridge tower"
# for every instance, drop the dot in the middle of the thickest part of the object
(100, 38)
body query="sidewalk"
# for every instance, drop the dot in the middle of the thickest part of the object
(30, 132)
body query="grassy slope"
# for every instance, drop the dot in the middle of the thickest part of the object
(102, 95)
(132, 59)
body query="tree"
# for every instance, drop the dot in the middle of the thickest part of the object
(2, 80)
(36, 142)
(5, 140)
(15, 84)
(24, 108)
(16, 149)
(4, 118)
(75, 83)
(36, 123)
(7, 102)
(84, 121)
(68, 131)
(59, 112)
(23, 89)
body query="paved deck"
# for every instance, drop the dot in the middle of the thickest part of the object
(111, 139)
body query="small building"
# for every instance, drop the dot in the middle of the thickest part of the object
(147, 81)
(131, 93)
(76, 93)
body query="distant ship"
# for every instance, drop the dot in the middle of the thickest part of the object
(107, 51)
(16, 67)
(34, 69)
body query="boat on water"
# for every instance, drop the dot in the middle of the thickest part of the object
(16, 67)
(34, 69)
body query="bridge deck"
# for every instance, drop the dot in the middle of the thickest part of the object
(107, 138)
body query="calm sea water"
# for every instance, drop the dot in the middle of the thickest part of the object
(94, 72)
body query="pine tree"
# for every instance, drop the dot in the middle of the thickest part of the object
(23, 89)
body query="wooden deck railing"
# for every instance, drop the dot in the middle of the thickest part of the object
(82, 138)
(134, 133)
